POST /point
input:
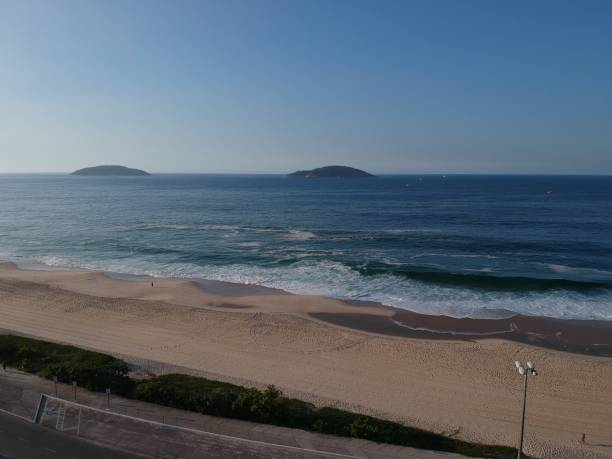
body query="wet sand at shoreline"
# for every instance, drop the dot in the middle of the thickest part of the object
(457, 386)
(592, 337)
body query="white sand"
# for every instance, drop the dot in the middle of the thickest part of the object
(468, 389)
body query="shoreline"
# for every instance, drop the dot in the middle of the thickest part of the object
(430, 292)
(213, 286)
(582, 336)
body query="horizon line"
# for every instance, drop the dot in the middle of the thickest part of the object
(567, 174)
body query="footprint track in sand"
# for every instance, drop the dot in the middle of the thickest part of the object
(262, 325)
(266, 324)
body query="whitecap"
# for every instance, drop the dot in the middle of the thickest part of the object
(249, 244)
(410, 230)
(563, 269)
(299, 235)
(454, 255)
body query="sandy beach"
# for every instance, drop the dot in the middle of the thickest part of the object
(363, 357)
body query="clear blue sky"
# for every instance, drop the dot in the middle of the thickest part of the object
(273, 86)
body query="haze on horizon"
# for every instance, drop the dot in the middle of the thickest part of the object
(276, 86)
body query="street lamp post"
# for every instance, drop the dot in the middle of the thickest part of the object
(529, 370)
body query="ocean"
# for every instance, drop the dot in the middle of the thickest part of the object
(461, 245)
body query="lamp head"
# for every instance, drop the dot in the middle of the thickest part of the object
(530, 364)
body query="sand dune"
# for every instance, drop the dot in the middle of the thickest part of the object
(464, 388)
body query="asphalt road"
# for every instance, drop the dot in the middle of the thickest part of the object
(20, 439)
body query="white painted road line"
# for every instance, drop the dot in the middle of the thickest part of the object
(16, 415)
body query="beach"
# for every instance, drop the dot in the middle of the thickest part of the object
(389, 208)
(337, 353)
(414, 243)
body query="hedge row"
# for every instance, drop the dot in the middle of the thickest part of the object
(96, 372)
(271, 407)
(92, 370)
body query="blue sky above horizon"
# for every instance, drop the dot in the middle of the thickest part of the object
(273, 86)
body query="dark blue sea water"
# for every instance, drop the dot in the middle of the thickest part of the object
(456, 244)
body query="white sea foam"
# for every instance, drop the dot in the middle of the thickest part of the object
(249, 244)
(188, 226)
(299, 235)
(481, 270)
(291, 234)
(454, 255)
(451, 332)
(57, 262)
(410, 230)
(335, 279)
(591, 272)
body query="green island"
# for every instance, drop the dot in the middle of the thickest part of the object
(110, 171)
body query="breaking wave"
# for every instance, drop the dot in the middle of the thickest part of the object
(457, 295)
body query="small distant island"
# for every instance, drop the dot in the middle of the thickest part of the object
(332, 172)
(110, 171)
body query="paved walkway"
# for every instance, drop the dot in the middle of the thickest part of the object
(202, 436)
(22, 440)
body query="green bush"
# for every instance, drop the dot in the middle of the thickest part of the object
(210, 397)
(333, 421)
(271, 407)
(290, 412)
(92, 370)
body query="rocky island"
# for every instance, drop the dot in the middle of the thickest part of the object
(332, 172)
(110, 171)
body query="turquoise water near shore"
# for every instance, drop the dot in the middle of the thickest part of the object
(453, 244)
